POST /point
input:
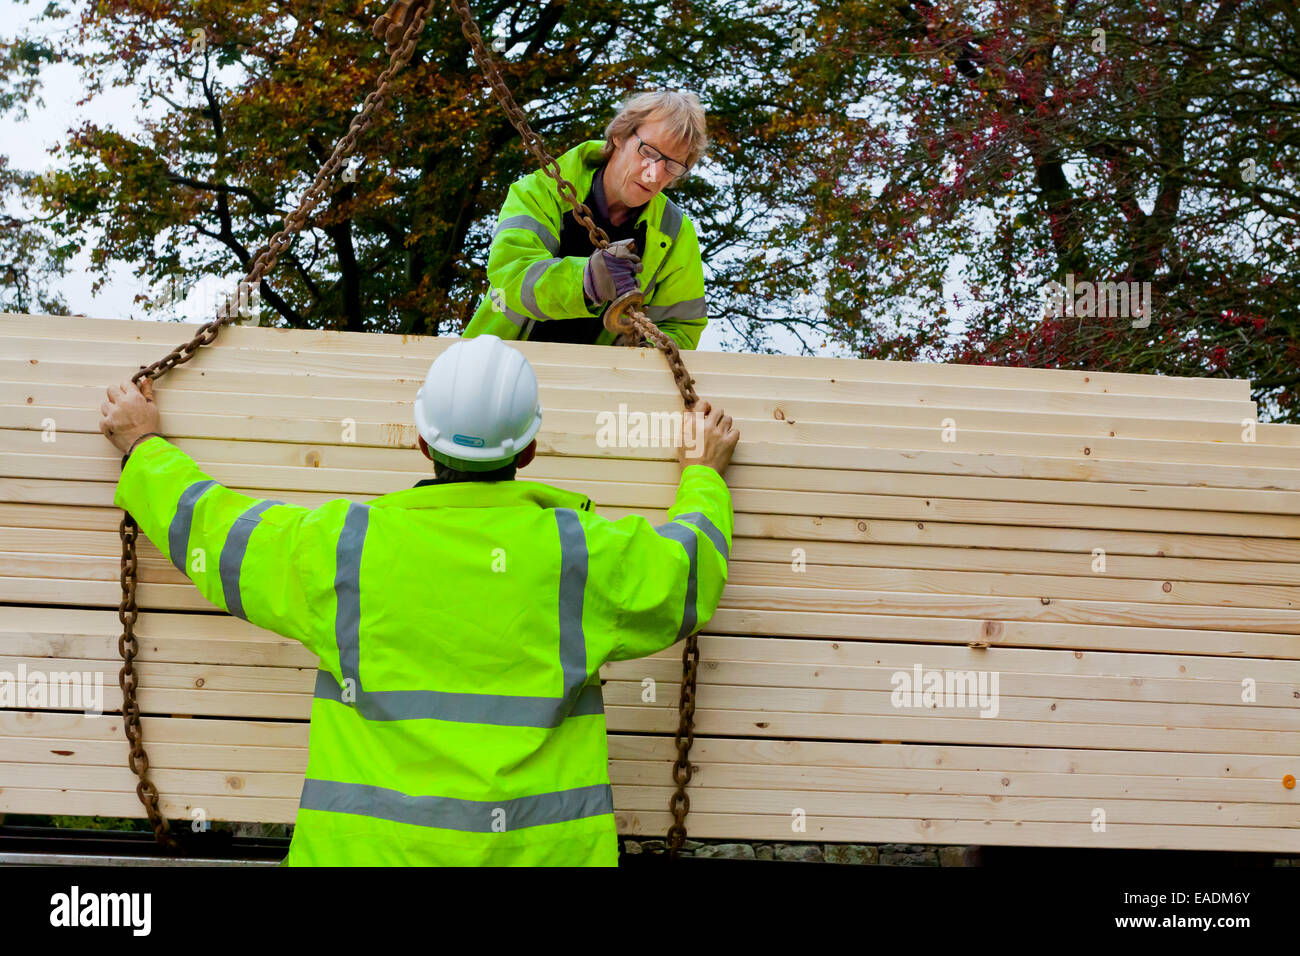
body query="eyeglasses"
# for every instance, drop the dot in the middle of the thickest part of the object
(649, 152)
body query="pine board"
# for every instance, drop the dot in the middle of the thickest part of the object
(866, 543)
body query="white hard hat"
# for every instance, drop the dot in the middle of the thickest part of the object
(478, 406)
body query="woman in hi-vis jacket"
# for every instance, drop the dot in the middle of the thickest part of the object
(549, 283)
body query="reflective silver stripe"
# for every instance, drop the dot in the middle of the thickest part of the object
(499, 709)
(518, 318)
(534, 226)
(671, 223)
(709, 528)
(689, 309)
(528, 329)
(178, 533)
(232, 555)
(690, 542)
(347, 590)
(573, 585)
(492, 709)
(528, 291)
(450, 813)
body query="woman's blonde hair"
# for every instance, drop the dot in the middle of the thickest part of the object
(681, 111)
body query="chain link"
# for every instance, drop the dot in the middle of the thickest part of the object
(644, 329)
(400, 29)
(264, 260)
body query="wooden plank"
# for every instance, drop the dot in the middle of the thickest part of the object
(815, 803)
(752, 529)
(1042, 711)
(157, 570)
(255, 439)
(18, 389)
(264, 434)
(1215, 700)
(76, 481)
(169, 334)
(219, 638)
(839, 555)
(720, 753)
(1121, 690)
(374, 399)
(1154, 789)
(795, 712)
(323, 372)
(775, 827)
(811, 602)
(895, 616)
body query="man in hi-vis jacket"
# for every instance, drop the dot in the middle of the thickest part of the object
(457, 717)
(549, 283)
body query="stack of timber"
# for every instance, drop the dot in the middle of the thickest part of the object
(1120, 550)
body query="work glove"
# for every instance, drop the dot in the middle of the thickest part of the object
(611, 272)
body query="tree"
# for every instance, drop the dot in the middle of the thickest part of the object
(1083, 141)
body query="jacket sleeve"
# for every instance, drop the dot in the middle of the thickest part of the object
(264, 561)
(677, 303)
(657, 585)
(534, 283)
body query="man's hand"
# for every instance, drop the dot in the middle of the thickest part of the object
(708, 438)
(129, 413)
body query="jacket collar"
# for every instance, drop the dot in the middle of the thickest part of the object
(484, 494)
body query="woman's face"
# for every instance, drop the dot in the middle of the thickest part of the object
(631, 178)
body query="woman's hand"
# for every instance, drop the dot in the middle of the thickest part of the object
(611, 272)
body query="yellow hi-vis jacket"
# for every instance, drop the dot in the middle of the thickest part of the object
(457, 717)
(533, 285)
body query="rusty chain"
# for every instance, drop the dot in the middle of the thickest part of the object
(399, 29)
(633, 328)
(265, 259)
